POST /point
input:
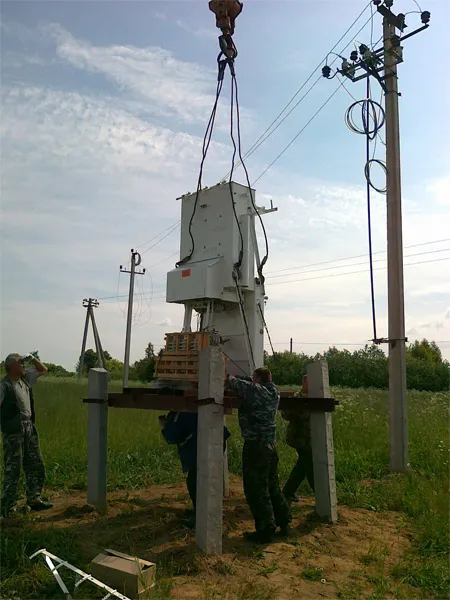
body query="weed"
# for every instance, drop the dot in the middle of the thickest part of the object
(268, 570)
(312, 573)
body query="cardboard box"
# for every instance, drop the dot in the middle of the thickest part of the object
(127, 574)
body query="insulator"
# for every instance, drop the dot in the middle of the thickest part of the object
(326, 71)
(354, 56)
(425, 17)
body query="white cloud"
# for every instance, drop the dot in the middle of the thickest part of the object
(173, 87)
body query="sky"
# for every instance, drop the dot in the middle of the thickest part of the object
(104, 107)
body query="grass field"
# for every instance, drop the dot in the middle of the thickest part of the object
(139, 458)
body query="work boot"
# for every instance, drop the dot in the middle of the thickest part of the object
(39, 504)
(262, 536)
(285, 530)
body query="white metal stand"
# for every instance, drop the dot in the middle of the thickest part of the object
(50, 559)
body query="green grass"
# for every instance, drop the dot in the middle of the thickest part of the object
(139, 457)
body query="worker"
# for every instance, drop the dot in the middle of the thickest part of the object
(180, 428)
(298, 436)
(20, 438)
(257, 420)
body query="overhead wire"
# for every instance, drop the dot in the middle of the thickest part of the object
(331, 269)
(267, 132)
(326, 262)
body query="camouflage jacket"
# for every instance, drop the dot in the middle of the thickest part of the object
(257, 414)
(298, 433)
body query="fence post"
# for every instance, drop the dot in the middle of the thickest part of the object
(322, 444)
(97, 449)
(210, 460)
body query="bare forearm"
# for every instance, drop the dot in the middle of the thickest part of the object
(40, 367)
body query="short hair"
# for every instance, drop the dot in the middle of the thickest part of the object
(11, 359)
(264, 374)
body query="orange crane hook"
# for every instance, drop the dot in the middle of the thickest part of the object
(226, 12)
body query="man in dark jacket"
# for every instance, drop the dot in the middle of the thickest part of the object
(180, 428)
(298, 436)
(257, 419)
(20, 438)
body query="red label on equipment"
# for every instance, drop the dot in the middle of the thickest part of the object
(186, 273)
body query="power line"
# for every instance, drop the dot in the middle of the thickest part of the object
(326, 262)
(263, 137)
(423, 262)
(310, 278)
(157, 235)
(361, 263)
(277, 158)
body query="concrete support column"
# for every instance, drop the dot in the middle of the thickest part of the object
(322, 444)
(210, 460)
(97, 449)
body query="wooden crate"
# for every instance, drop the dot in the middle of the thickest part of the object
(179, 359)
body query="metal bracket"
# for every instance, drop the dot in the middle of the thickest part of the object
(81, 576)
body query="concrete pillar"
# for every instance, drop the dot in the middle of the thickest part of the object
(97, 449)
(322, 444)
(210, 471)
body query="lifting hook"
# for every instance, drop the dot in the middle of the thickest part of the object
(226, 12)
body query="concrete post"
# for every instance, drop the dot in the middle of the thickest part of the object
(322, 444)
(210, 451)
(97, 437)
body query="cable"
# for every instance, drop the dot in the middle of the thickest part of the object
(159, 241)
(234, 363)
(423, 262)
(277, 158)
(358, 263)
(265, 326)
(327, 262)
(244, 318)
(263, 137)
(206, 143)
(156, 236)
(237, 266)
(250, 191)
(324, 269)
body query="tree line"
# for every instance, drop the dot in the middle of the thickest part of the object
(368, 367)
(425, 368)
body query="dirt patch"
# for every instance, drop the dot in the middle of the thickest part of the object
(346, 560)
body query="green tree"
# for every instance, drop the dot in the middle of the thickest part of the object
(144, 369)
(91, 360)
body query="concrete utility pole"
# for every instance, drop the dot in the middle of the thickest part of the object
(135, 262)
(370, 65)
(396, 294)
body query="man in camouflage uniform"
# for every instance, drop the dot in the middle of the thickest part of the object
(298, 436)
(257, 417)
(20, 438)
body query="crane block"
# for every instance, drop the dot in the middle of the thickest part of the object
(226, 12)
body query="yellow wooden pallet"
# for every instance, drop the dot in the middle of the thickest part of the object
(179, 359)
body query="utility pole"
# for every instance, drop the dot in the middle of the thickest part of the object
(381, 65)
(396, 295)
(290, 345)
(135, 262)
(89, 304)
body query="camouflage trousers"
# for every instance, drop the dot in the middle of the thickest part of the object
(303, 468)
(261, 486)
(22, 449)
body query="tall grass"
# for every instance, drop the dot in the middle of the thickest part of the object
(139, 457)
